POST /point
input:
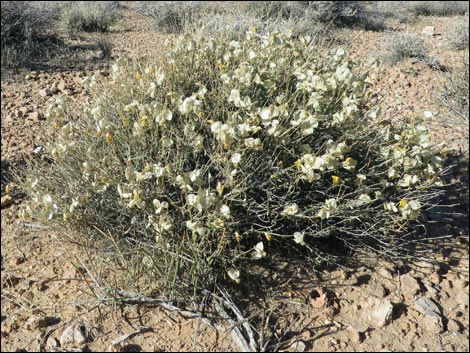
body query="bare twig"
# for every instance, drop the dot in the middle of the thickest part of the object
(122, 338)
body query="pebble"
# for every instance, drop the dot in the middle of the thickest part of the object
(36, 322)
(434, 324)
(74, 335)
(435, 278)
(429, 31)
(409, 286)
(51, 342)
(44, 93)
(61, 85)
(462, 298)
(427, 307)
(299, 346)
(21, 112)
(356, 336)
(34, 116)
(385, 272)
(379, 311)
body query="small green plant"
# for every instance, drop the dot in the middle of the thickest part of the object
(191, 171)
(402, 45)
(89, 16)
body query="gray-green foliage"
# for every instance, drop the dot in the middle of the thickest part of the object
(459, 34)
(189, 171)
(26, 31)
(454, 97)
(89, 16)
(437, 8)
(402, 45)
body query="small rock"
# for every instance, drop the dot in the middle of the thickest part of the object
(21, 112)
(433, 324)
(51, 342)
(61, 85)
(462, 298)
(356, 336)
(427, 307)
(426, 267)
(36, 322)
(44, 93)
(34, 116)
(379, 289)
(385, 272)
(435, 278)
(409, 286)
(379, 311)
(453, 326)
(460, 283)
(6, 201)
(298, 346)
(73, 334)
(429, 31)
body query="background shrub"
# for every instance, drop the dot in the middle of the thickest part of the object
(27, 30)
(437, 8)
(402, 45)
(89, 16)
(227, 154)
(454, 98)
(458, 36)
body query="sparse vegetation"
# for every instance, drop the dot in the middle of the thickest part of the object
(438, 8)
(89, 16)
(458, 37)
(402, 45)
(26, 32)
(454, 98)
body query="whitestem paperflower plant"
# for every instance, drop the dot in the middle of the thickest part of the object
(197, 158)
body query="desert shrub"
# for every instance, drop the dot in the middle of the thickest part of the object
(105, 46)
(393, 9)
(437, 8)
(402, 45)
(454, 97)
(191, 170)
(458, 36)
(89, 16)
(174, 16)
(26, 28)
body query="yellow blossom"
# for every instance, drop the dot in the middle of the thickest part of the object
(336, 179)
(109, 138)
(403, 202)
(138, 76)
(268, 236)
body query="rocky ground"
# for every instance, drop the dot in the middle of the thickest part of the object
(47, 294)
